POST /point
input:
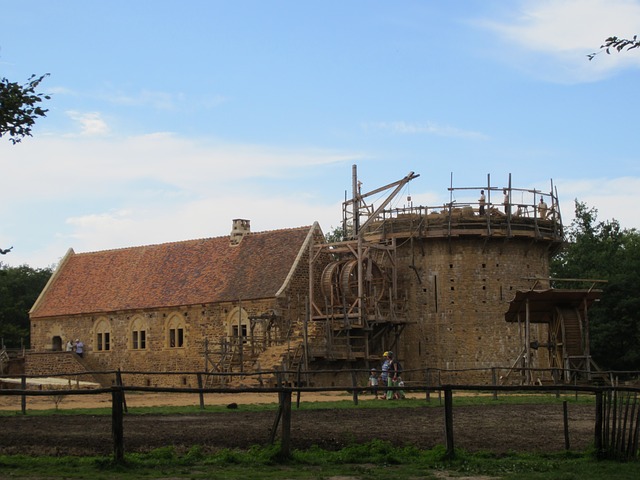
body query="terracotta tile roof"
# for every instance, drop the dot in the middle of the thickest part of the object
(172, 274)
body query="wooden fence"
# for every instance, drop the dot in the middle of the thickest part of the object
(617, 410)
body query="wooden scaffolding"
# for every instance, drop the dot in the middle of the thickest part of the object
(353, 289)
(565, 313)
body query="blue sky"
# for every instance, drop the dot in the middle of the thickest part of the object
(168, 119)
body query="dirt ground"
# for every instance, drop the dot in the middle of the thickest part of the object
(498, 428)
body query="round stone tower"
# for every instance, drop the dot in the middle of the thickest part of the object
(458, 269)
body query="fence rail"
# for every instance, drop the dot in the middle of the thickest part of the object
(616, 428)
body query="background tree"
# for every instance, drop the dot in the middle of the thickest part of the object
(603, 250)
(335, 235)
(19, 289)
(20, 107)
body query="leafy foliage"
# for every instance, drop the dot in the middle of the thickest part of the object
(618, 44)
(19, 107)
(335, 235)
(19, 289)
(604, 250)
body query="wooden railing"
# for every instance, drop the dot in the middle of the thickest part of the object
(617, 410)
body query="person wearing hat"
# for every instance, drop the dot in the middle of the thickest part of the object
(384, 375)
(392, 374)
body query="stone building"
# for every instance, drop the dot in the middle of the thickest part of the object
(217, 304)
(435, 284)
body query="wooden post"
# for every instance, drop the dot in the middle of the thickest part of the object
(200, 393)
(276, 421)
(285, 444)
(566, 425)
(119, 383)
(299, 380)
(598, 425)
(448, 422)
(494, 381)
(428, 390)
(117, 423)
(354, 383)
(23, 397)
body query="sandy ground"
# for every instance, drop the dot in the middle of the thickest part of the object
(136, 399)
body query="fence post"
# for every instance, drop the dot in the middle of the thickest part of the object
(117, 423)
(494, 381)
(428, 390)
(23, 398)
(354, 383)
(299, 383)
(598, 425)
(200, 392)
(285, 444)
(119, 383)
(566, 425)
(448, 422)
(276, 421)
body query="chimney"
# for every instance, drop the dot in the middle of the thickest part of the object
(239, 229)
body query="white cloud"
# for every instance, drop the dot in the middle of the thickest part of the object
(91, 123)
(558, 34)
(610, 196)
(428, 128)
(91, 193)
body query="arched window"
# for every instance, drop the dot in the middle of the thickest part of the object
(138, 332)
(238, 325)
(175, 331)
(102, 331)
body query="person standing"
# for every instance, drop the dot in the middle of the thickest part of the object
(384, 375)
(373, 381)
(392, 377)
(69, 346)
(507, 208)
(482, 201)
(79, 348)
(542, 209)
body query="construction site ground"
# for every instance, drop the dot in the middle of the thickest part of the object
(497, 428)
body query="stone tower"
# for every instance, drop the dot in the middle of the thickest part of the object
(459, 270)
(433, 284)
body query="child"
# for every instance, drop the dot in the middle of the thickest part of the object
(373, 382)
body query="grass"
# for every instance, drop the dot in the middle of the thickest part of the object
(374, 460)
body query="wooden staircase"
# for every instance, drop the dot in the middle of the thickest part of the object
(573, 335)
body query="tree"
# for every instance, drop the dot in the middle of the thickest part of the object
(604, 250)
(618, 44)
(19, 289)
(19, 107)
(335, 235)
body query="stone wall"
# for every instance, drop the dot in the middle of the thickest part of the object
(458, 294)
(58, 363)
(200, 324)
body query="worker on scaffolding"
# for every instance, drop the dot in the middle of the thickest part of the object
(542, 209)
(506, 202)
